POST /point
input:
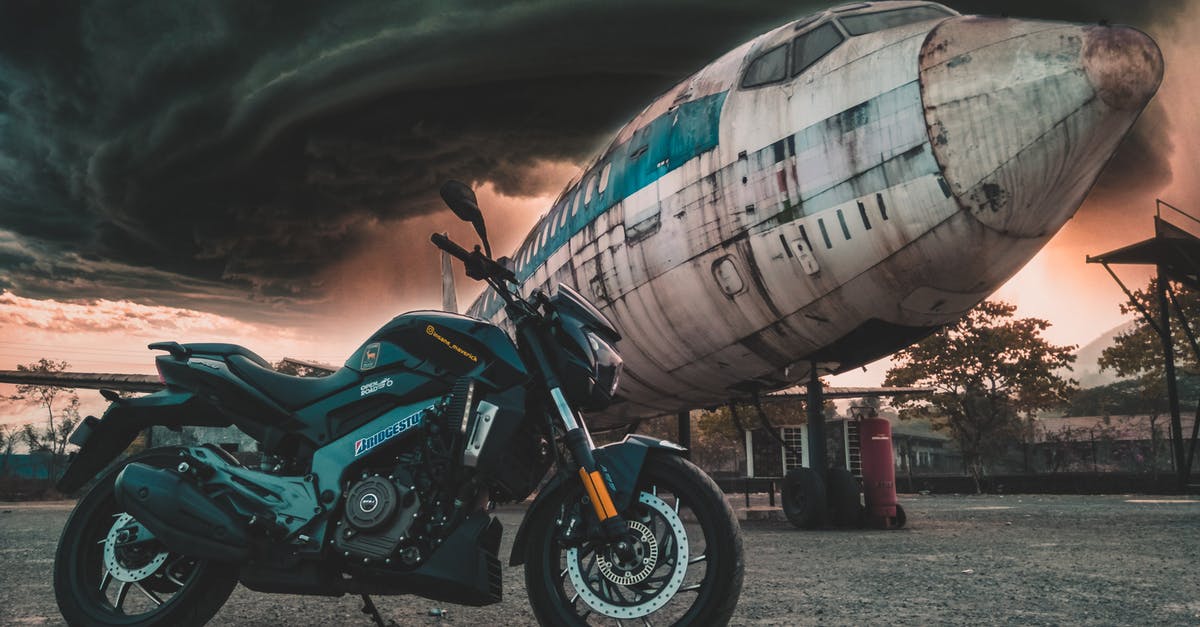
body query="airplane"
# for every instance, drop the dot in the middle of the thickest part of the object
(830, 192)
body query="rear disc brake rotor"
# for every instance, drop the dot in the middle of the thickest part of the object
(123, 564)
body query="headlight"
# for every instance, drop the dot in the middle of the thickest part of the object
(606, 365)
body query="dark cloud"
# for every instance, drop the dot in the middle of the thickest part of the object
(242, 146)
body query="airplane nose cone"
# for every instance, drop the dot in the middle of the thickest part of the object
(1124, 66)
(1023, 115)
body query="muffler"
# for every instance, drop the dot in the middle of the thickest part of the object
(181, 516)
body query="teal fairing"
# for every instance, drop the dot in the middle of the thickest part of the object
(584, 352)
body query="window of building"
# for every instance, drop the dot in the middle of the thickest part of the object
(882, 207)
(810, 47)
(769, 67)
(864, 23)
(862, 211)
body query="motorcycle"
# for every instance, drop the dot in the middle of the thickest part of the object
(381, 478)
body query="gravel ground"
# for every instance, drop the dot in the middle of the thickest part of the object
(962, 560)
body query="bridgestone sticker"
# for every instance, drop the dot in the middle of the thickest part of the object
(362, 445)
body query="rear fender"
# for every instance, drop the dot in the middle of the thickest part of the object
(621, 463)
(101, 440)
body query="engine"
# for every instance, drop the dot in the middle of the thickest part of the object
(379, 512)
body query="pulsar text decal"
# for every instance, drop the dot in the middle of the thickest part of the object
(451, 345)
(362, 445)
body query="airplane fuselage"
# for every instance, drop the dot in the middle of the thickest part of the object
(832, 191)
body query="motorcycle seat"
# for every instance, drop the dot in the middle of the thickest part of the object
(288, 390)
(226, 350)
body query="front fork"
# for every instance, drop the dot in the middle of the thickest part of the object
(596, 482)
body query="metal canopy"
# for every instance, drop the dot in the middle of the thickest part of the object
(1174, 250)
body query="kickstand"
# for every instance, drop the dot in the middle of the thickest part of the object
(370, 610)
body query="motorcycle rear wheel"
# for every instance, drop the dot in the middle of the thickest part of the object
(688, 567)
(97, 581)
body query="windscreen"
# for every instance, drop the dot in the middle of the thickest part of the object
(808, 48)
(769, 67)
(864, 23)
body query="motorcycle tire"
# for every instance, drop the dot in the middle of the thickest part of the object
(687, 567)
(173, 589)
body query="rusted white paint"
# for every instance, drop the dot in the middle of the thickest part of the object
(978, 138)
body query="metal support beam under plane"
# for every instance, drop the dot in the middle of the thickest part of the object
(816, 423)
(685, 432)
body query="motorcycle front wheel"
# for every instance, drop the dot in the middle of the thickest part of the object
(684, 565)
(104, 574)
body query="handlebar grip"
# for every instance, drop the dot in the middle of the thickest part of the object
(446, 244)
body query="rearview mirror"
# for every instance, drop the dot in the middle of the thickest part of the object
(461, 200)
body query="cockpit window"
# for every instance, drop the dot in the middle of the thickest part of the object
(808, 48)
(864, 23)
(769, 67)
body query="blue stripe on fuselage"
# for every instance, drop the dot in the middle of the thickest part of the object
(671, 142)
(666, 143)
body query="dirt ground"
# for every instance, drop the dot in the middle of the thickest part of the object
(1013, 559)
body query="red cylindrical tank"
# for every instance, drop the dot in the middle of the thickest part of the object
(878, 469)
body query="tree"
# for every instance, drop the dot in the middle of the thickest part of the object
(8, 440)
(52, 398)
(298, 370)
(988, 371)
(1138, 353)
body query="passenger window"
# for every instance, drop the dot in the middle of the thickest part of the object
(769, 67)
(810, 47)
(870, 22)
(604, 177)
(824, 233)
(587, 191)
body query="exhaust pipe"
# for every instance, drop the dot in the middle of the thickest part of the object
(180, 515)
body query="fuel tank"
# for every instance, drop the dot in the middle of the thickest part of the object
(440, 345)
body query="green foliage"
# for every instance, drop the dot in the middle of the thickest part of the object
(1137, 353)
(987, 370)
(1130, 397)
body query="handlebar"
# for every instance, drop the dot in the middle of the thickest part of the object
(448, 245)
(479, 266)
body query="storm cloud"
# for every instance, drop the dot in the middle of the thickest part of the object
(161, 151)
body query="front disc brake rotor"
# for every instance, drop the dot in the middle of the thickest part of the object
(123, 564)
(610, 571)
